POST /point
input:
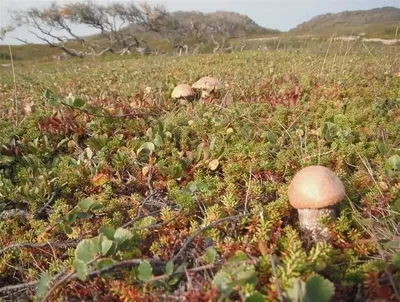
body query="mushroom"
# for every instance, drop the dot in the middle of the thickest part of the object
(313, 192)
(208, 86)
(183, 93)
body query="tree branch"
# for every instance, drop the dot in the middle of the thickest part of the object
(62, 245)
(202, 230)
(129, 115)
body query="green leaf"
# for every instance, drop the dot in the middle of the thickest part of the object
(54, 99)
(238, 257)
(6, 159)
(78, 103)
(83, 215)
(54, 102)
(180, 269)
(71, 217)
(108, 232)
(169, 268)
(62, 142)
(396, 205)
(395, 244)
(383, 148)
(122, 235)
(222, 281)
(87, 248)
(104, 263)
(81, 269)
(211, 255)
(245, 276)
(329, 131)
(96, 206)
(319, 289)
(95, 110)
(106, 245)
(393, 162)
(86, 203)
(190, 188)
(148, 147)
(47, 93)
(396, 260)
(158, 141)
(272, 137)
(145, 271)
(43, 285)
(65, 228)
(297, 292)
(256, 297)
(173, 280)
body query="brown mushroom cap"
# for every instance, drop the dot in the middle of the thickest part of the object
(182, 91)
(315, 187)
(208, 83)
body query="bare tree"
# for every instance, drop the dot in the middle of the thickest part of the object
(197, 47)
(5, 30)
(117, 24)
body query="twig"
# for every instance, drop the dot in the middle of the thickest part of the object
(13, 288)
(13, 213)
(128, 115)
(153, 226)
(149, 178)
(70, 275)
(278, 288)
(202, 230)
(371, 173)
(395, 47)
(137, 218)
(139, 213)
(201, 206)
(125, 264)
(247, 193)
(374, 238)
(40, 245)
(327, 53)
(319, 155)
(14, 87)
(371, 54)
(192, 270)
(23, 286)
(58, 284)
(349, 46)
(46, 206)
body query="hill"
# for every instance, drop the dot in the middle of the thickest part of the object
(219, 23)
(376, 22)
(225, 20)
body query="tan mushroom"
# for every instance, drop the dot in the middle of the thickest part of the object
(313, 192)
(183, 93)
(207, 86)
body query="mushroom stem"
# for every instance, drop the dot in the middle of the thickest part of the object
(310, 222)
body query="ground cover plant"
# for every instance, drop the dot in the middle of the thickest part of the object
(111, 190)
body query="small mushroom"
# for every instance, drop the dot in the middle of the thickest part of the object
(183, 93)
(208, 86)
(313, 192)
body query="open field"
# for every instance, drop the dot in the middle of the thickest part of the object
(110, 190)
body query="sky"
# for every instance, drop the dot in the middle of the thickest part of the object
(276, 14)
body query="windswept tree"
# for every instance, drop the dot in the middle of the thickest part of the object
(117, 24)
(5, 30)
(219, 33)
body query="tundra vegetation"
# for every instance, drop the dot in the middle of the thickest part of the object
(111, 189)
